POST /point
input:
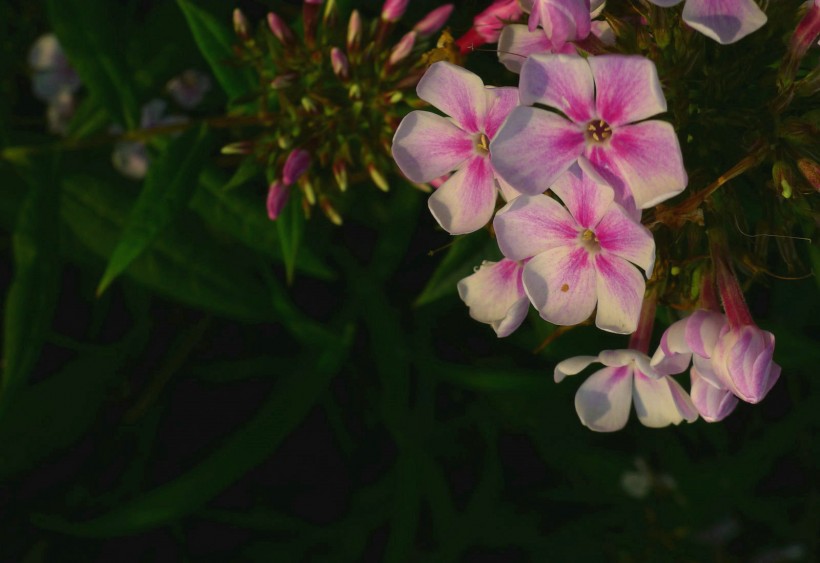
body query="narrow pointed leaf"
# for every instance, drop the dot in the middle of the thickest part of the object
(291, 226)
(167, 190)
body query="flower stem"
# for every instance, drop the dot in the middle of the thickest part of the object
(734, 304)
(643, 334)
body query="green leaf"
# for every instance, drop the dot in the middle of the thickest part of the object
(168, 188)
(89, 35)
(286, 406)
(215, 40)
(466, 253)
(33, 293)
(186, 263)
(291, 227)
(89, 118)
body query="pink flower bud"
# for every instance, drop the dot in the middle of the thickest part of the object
(280, 29)
(393, 10)
(742, 360)
(433, 21)
(339, 62)
(806, 31)
(811, 171)
(354, 30)
(240, 24)
(297, 163)
(277, 198)
(402, 48)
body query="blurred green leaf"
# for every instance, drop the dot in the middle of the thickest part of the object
(291, 227)
(287, 405)
(33, 293)
(215, 39)
(248, 169)
(465, 254)
(167, 190)
(186, 263)
(492, 379)
(88, 33)
(89, 118)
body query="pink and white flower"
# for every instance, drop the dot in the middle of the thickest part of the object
(603, 401)
(427, 146)
(488, 24)
(562, 20)
(742, 360)
(725, 21)
(582, 254)
(605, 100)
(495, 295)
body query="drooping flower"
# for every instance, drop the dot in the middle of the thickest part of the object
(725, 21)
(603, 401)
(427, 146)
(488, 24)
(582, 254)
(605, 100)
(495, 295)
(189, 88)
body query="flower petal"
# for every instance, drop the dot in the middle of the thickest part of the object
(713, 403)
(563, 82)
(646, 157)
(586, 195)
(560, 282)
(516, 43)
(683, 401)
(513, 319)
(457, 92)
(466, 201)
(530, 225)
(702, 331)
(654, 403)
(562, 20)
(500, 102)
(620, 235)
(617, 358)
(627, 88)
(620, 288)
(673, 354)
(534, 147)
(427, 146)
(492, 290)
(602, 401)
(572, 366)
(742, 360)
(725, 21)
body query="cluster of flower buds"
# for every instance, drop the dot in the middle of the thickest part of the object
(583, 164)
(337, 93)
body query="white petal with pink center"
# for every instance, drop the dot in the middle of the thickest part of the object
(427, 146)
(532, 224)
(563, 82)
(466, 201)
(627, 89)
(495, 295)
(457, 92)
(561, 284)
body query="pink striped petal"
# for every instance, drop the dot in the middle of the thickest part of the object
(516, 43)
(534, 147)
(562, 20)
(673, 355)
(627, 88)
(620, 288)
(572, 366)
(427, 146)
(457, 92)
(500, 102)
(702, 330)
(563, 82)
(683, 401)
(508, 192)
(725, 21)
(647, 158)
(620, 235)
(713, 403)
(530, 225)
(560, 282)
(466, 201)
(654, 403)
(585, 194)
(603, 400)
(493, 290)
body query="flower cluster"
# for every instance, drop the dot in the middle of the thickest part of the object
(584, 158)
(330, 99)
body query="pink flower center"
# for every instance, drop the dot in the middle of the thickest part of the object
(482, 144)
(598, 130)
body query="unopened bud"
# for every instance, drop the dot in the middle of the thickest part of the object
(396, 97)
(307, 189)
(339, 62)
(393, 10)
(340, 174)
(296, 165)
(310, 19)
(354, 92)
(806, 32)
(377, 177)
(309, 105)
(240, 147)
(240, 25)
(433, 21)
(283, 141)
(811, 171)
(282, 81)
(783, 178)
(331, 14)
(354, 31)
(330, 212)
(278, 195)
(280, 29)
(402, 48)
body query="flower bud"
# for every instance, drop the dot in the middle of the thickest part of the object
(240, 25)
(278, 195)
(309, 105)
(806, 32)
(239, 147)
(330, 212)
(393, 10)
(307, 188)
(713, 403)
(340, 174)
(339, 62)
(310, 20)
(402, 48)
(433, 21)
(742, 360)
(282, 81)
(783, 177)
(296, 165)
(331, 14)
(377, 177)
(280, 29)
(354, 31)
(811, 171)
